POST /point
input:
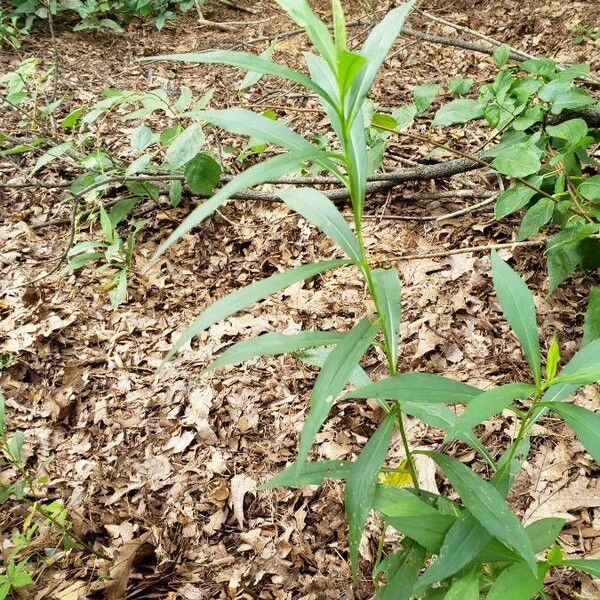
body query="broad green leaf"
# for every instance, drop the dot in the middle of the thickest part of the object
(307, 473)
(535, 218)
(463, 542)
(185, 146)
(376, 48)
(51, 155)
(514, 198)
(71, 120)
(501, 56)
(121, 210)
(488, 404)
(320, 210)
(118, 294)
(247, 296)
(141, 163)
(348, 66)
(401, 582)
(106, 225)
(517, 305)
(572, 131)
(584, 422)
(359, 493)
(517, 582)
(202, 174)
(271, 344)
(591, 324)
(16, 444)
(418, 387)
(246, 61)
(519, 160)
(587, 565)
(462, 110)
(389, 302)
(272, 168)
(141, 137)
(466, 587)
(459, 86)
(585, 358)
(487, 505)
(590, 188)
(424, 95)
(563, 95)
(412, 516)
(334, 375)
(562, 261)
(404, 116)
(317, 31)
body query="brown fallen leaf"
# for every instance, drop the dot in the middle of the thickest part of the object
(240, 486)
(123, 563)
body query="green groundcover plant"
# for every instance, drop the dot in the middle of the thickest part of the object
(466, 549)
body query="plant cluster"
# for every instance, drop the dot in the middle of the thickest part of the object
(450, 549)
(92, 14)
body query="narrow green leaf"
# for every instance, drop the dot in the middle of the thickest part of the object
(401, 583)
(488, 404)
(585, 358)
(317, 357)
(517, 305)
(587, 565)
(376, 48)
(51, 155)
(466, 587)
(361, 483)
(389, 303)
(307, 473)
(272, 344)
(243, 60)
(591, 324)
(269, 169)
(459, 86)
(463, 542)
(321, 211)
(585, 424)
(2, 413)
(106, 225)
(418, 387)
(16, 444)
(334, 375)
(349, 64)
(339, 26)
(317, 31)
(252, 78)
(248, 295)
(487, 505)
(185, 146)
(517, 582)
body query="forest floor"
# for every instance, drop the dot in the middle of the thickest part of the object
(160, 475)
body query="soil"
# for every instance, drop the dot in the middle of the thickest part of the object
(159, 473)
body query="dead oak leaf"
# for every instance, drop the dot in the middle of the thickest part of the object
(240, 486)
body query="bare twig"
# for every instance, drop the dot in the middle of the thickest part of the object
(239, 7)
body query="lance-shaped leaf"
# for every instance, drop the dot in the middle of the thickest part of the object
(245, 61)
(517, 582)
(488, 404)
(308, 473)
(255, 175)
(389, 303)
(586, 373)
(591, 324)
(247, 296)
(334, 375)
(317, 357)
(587, 565)
(418, 387)
(339, 25)
(585, 359)
(272, 344)
(401, 580)
(357, 148)
(376, 48)
(466, 587)
(361, 483)
(517, 305)
(585, 424)
(463, 542)
(317, 31)
(317, 208)
(486, 504)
